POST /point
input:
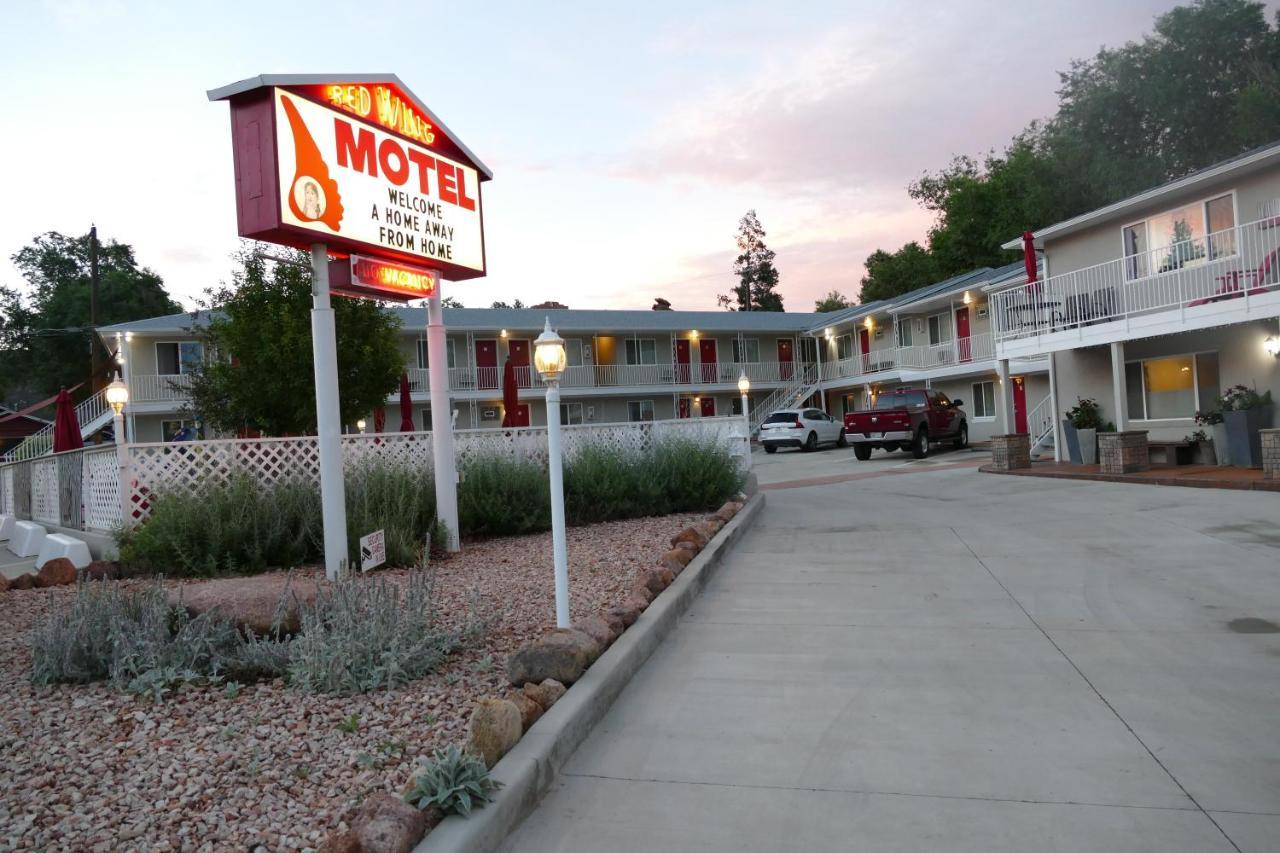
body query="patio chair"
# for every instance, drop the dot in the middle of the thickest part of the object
(1104, 304)
(1077, 310)
(1259, 280)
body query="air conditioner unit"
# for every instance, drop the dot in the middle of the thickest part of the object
(983, 311)
(488, 414)
(920, 326)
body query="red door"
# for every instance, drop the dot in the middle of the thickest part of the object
(962, 333)
(785, 358)
(707, 355)
(487, 364)
(709, 405)
(864, 347)
(685, 408)
(519, 416)
(1019, 406)
(518, 352)
(682, 360)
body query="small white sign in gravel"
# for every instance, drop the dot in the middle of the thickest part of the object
(373, 551)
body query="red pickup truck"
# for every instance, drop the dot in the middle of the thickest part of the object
(907, 419)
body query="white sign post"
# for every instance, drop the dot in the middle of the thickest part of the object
(324, 349)
(373, 550)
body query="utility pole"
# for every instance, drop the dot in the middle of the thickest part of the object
(93, 309)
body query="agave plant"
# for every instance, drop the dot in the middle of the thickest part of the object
(453, 781)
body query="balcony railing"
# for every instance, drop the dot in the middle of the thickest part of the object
(1235, 263)
(153, 389)
(614, 375)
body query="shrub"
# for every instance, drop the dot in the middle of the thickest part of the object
(1086, 414)
(453, 781)
(368, 633)
(396, 499)
(696, 474)
(499, 496)
(139, 642)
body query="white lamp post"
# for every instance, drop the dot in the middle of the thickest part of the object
(550, 359)
(744, 385)
(360, 425)
(117, 394)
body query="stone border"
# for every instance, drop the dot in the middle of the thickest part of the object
(527, 771)
(1145, 478)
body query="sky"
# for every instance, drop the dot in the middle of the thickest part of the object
(626, 141)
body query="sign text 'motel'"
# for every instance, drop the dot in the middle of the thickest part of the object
(363, 167)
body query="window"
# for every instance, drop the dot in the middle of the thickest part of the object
(844, 347)
(904, 333)
(984, 400)
(180, 431)
(423, 362)
(570, 413)
(177, 358)
(939, 330)
(426, 420)
(639, 410)
(1184, 236)
(641, 351)
(1173, 387)
(573, 352)
(746, 350)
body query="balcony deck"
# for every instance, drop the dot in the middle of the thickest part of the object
(1231, 276)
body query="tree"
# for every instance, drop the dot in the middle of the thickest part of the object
(889, 275)
(833, 301)
(757, 276)
(516, 304)
(45, 334)
(258, 370)
(451, 302)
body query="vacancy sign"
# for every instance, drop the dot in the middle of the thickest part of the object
(373, 550)
(361, 167)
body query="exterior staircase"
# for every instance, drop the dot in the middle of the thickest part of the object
(93, 413)
(1040, 425)
(802, 386)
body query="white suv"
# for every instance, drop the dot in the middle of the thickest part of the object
(802, 428)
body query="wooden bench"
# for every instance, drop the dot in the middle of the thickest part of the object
(1175, 452)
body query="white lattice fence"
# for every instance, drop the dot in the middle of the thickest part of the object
(192, 466)
(100, 489)
(44, 491)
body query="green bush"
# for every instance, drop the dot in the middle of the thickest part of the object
(246, 527)
(135, 639)
(369, 634)
(453, 781)
(503, 497)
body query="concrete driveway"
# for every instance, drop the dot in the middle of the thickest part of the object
(949, 660)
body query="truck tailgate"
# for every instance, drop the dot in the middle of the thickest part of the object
(880, 420)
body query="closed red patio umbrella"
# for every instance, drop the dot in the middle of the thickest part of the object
(1029, 258)
(66, 429)
(510, 393)
(406, 405)
(380, 419)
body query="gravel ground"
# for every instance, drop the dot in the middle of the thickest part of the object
(89, 768)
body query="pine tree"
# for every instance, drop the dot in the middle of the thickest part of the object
(757, 276)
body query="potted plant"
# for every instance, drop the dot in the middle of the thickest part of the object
(1221, 447)
(1244, 413)
(1086, 417)
(1202, 447)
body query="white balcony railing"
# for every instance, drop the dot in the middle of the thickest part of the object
(157, 389)
(614, 375)
(1235, 263)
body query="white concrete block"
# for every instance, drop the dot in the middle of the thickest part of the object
(6, 527)
(27, 538)
(60, 545)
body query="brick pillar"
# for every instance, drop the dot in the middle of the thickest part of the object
(1123, 452)
(1270, 453)
(1010, 451)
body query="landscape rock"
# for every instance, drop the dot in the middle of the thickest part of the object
(672, 566)
(710, 528)
(728, 511)
(563, 654)
(341, 842)
(530, 710)
(495, 726)
(615, 623)
(57, 572)
(692, 535)
(545, 694)
(101, 570)
(636, 603)
(251, 602)
(597, 629)
(4, 583)
(628, 615)
(27, 581)
(652, 578)
(387, 824)
(640, 589)
(690, 547)
(683, 556)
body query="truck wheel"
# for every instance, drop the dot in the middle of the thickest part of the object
(770, 448)
(920, 447)
(962, 437)
(862, 451)
(810, 443)
(843, 440)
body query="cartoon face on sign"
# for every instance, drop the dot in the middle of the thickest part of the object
(314, 195)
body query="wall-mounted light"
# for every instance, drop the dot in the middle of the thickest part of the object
(503, 333)
(828, 333)
(697, 400)
(1272, 346)
(869, 323)
(128, 336)
(693, 333)
(967, 298)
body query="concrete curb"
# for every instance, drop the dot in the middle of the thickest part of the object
(528, 770)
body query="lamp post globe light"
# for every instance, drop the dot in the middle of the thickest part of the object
(744, 385)
(117, 394)
(550, 358)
